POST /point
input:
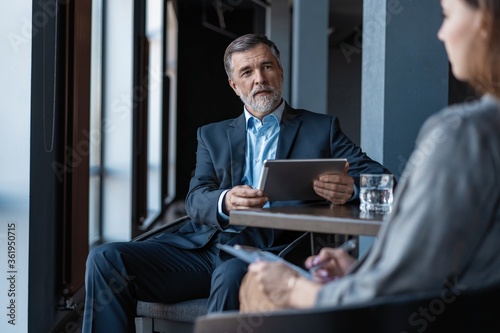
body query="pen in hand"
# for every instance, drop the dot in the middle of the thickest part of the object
(348, 246)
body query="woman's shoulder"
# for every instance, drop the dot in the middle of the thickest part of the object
(479, 107)
(465, 130)
(483, 113)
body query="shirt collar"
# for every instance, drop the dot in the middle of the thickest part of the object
(278, 113)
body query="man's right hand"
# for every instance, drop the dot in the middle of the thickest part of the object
(243, 197)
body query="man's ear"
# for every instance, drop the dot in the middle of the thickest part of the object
(233, 85)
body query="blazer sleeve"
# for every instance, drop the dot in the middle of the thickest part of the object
(210, 179)
(359, 161)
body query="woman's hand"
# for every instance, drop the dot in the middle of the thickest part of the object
(283, 286)
(333, 263)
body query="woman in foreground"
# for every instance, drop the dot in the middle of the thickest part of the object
(445, 226)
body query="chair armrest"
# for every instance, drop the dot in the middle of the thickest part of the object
(289, 321)
(169, 227)
(429, 312)
(366, 317)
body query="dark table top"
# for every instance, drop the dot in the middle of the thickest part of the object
(323, 218)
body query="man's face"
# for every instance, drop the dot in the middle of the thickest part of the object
(257, 79)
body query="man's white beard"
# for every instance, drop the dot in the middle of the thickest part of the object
(264, 103)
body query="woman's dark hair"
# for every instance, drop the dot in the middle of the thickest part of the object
(245, 43)
(486, 76)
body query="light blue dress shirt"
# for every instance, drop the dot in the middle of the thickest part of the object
(262, 142)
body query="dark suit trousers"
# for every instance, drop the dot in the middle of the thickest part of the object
(118, 274)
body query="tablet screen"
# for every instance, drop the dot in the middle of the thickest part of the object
(293, 179)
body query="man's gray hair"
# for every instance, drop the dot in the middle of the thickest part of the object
(245, 43)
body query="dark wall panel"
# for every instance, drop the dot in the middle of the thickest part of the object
(204, 95)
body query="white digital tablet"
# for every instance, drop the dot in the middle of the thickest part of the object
(292, 179)
(252, 254)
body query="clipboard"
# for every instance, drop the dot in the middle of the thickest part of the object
(292, 179)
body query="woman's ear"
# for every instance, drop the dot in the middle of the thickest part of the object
(486, 23)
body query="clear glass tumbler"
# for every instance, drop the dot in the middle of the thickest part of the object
(376, 193)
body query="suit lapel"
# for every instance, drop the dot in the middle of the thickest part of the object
(236, 135)
(290, 125)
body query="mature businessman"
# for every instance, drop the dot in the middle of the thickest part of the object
(185, 265)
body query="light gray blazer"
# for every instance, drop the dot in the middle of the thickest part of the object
(445, 225)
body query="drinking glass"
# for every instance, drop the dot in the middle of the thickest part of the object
(376, 193)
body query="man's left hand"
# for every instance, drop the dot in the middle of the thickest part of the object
(337, 189)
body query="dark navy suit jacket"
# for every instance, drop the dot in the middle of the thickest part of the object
(220, 163)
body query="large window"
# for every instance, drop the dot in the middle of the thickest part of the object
(95, 123)
(129, 118)
(154, 34)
